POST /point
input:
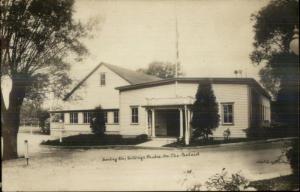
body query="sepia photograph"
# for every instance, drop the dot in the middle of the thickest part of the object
(149, 95)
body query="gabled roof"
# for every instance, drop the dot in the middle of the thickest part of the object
(248, 81)
(132, 77)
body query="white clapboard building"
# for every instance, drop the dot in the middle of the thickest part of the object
(135, 103)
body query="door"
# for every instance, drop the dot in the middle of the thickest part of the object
(173, 123)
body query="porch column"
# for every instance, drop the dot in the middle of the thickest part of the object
(181, 123)
(147, 122)
(187, 134)
(188, 125)
(153, 122)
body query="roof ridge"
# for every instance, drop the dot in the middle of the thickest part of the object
(81, 82)
(136, 77)
(111, 66)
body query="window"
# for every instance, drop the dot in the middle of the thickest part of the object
(227, 113)
(102, 79)
(105, 116)
(62, 117)
(86, 117)
(134, 115)
(73, 117)
(116, 116)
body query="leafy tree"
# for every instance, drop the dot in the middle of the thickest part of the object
(39, 35)
(30, 110)
(163, 70)
(205, 111)
(273, 29)
(97, 122)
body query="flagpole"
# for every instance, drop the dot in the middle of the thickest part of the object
(177, 50)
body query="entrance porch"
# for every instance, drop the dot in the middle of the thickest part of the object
(170, 120)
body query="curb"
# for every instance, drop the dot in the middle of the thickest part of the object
(132, 147)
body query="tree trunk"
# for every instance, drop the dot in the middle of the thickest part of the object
(9, 145)
(11, 120)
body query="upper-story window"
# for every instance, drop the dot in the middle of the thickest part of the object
(134, 115)
(102, 79)
(227, 115)
(73, 117)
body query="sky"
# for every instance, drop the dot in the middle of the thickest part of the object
(215, 36)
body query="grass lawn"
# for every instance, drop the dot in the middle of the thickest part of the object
(283, 183)
(211, 141)
(94, 140)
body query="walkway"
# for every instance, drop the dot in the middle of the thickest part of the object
(158, 142)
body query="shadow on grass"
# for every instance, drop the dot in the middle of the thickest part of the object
(283, 183)
(211, 141)
(95, 140)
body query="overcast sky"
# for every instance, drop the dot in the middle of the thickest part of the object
(215, 36)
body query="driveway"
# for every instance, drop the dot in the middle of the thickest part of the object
(139, 169)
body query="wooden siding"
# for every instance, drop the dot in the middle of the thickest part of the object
(93, 94)
(90, 95)
(238, 94)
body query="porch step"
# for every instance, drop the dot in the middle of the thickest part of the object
(158, 142)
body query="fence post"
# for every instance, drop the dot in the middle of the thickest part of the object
(26, 154)
(61, 131)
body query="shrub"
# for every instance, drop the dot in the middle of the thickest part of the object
(226, 134)
(224, 182)
(44, 121)
(293, 156)
(142, 137)
(45, 127)
(256, 132)
(97, 123)
(275, 130)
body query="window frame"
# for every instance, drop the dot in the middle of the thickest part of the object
(62, 117)
(116, 120)
(105, 116)
(87, 117)
(228, 115)
(102, 80)
(134, 114)
(72, 118)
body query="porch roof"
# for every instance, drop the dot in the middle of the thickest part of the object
(174, 101)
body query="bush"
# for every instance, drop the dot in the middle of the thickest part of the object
(142, 137)
(44, 121)
(224, 182)
(97, 122)
(226, 134)
(45, 127)
(293, 157)
(275, 130)
(93, 140)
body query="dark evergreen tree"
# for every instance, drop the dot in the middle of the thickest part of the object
(205, 111)
(97, 122)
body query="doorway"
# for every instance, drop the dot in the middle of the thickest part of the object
(167, 122)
